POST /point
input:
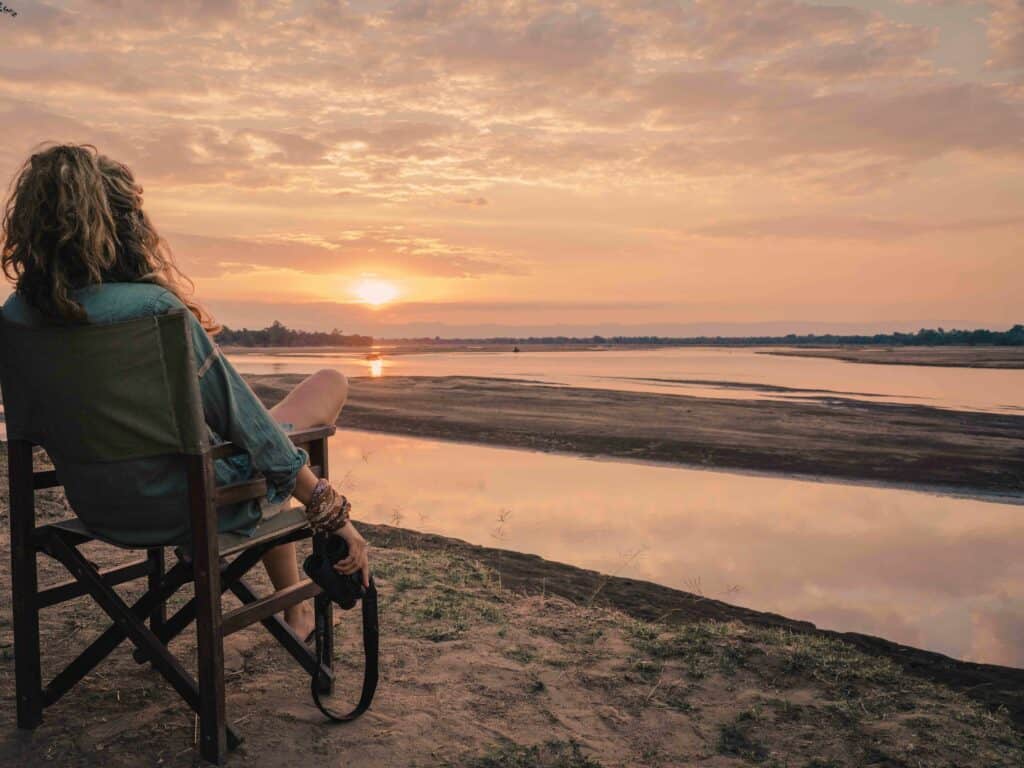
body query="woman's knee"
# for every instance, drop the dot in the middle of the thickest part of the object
(334, 380)
(335, 386)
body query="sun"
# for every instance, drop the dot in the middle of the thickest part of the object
(373, 291)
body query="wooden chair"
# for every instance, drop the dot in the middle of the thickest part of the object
(58, 387)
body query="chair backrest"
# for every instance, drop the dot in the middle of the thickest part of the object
(103, 393)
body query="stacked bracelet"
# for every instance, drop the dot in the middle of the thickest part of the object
(327, 510)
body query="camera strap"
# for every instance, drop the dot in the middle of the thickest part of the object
(371, 648)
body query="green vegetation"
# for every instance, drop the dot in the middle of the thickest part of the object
(926, 337)
(277, 335)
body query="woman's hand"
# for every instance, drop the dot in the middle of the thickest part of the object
(358, 553)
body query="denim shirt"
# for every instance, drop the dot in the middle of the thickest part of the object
(232, 412)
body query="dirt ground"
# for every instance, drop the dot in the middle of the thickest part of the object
(477, 673)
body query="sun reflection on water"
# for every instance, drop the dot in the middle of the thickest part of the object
(376, 368)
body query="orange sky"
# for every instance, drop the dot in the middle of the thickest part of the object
(619, 166)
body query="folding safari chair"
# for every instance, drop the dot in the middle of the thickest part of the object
(117, 392)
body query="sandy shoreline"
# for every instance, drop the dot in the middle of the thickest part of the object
(843, 439)
(941, 357)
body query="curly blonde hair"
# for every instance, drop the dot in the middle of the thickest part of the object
(74, 218)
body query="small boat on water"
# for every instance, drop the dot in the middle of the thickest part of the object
(373, 356)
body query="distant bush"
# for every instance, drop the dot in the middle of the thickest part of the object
(926, 337)
(277, 335)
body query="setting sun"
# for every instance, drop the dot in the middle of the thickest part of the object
(370, 290)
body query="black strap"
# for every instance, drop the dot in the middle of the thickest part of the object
(371, 648)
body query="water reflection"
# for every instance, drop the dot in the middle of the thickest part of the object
(931, 571)
(376, 368)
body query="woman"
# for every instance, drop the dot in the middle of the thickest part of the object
(80, 249)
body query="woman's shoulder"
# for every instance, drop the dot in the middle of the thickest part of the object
(139, 291)
(103, 303)
(17, 310)
(110, 302)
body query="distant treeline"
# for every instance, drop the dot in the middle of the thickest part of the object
(277, 335)
(926, 337)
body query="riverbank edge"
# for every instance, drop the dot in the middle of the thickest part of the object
(997, 358)
(992, 685)
(888, 444)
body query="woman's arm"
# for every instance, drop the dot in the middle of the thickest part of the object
(234, 412)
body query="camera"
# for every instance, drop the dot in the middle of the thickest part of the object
(344, 590)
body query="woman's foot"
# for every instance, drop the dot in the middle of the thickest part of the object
(300, 619)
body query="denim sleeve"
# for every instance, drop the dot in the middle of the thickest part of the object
(233, 411)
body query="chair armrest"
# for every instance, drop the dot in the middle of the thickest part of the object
(257, 486)
(299, 437)
(47, 478)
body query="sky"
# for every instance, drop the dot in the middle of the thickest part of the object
(533, 166)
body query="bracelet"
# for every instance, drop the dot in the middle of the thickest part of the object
(315, 508)
(338, 518)
(327, 510)
(314, 498)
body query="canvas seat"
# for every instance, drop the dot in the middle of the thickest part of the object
(229, 543)
(119, 392)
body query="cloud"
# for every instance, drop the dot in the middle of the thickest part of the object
(293, 149)
(880, 49)
(511, 44)
(778, 128)
(849, 227)
(714, 30)
(348, 252)
(457, 139)
(394, 101)
(1006, 34)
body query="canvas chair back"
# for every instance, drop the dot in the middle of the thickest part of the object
(103, 393)
(117, 408)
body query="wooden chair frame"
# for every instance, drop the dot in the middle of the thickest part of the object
(214, 565)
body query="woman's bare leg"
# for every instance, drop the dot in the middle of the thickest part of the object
(314, 401)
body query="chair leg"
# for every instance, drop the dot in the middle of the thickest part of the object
(102, 646)
(138, 632)
(209, 632)
(210, 642)
(180, 619)
(24, 586)
(157, 569)
(323, 609)
(281, 632)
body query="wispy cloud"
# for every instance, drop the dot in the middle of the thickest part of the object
(530, 145)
